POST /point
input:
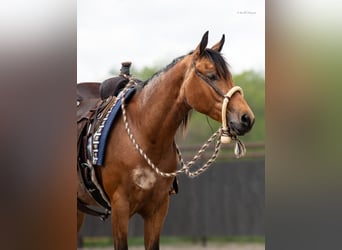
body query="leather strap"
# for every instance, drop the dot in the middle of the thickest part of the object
(84, 208)
(207, 80)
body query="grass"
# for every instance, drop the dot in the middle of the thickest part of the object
(237, 239)
(139, 241)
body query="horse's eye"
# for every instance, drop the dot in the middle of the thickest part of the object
(212, 77)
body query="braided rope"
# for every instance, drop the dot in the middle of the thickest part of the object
(198, 155)
(185, 166)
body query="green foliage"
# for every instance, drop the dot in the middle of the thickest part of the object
(145, 73)
(253, 85)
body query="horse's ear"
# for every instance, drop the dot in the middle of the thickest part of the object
(203, 44)
(218, 46)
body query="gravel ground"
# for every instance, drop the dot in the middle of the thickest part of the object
(232, 246)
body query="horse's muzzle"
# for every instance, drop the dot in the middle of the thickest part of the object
(244, 125)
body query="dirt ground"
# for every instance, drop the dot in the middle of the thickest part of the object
(231, 246)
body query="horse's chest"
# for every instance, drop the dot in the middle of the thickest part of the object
(144, 178)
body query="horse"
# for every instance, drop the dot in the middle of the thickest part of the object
(197, 80)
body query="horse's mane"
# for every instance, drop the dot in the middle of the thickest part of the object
(166, 68)
(220, 63)
(212, 55)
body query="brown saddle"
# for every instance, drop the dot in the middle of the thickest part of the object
(86, 90)
(92, 95)
(92, 98)
(88, 95)
(89, 104)
(88, 100)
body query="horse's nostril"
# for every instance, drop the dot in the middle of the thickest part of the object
(246, 120)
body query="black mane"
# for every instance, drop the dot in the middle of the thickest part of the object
(212, 55)
(219, 61)
(166, 68)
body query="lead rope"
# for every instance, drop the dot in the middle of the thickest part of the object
(185, 166)
(199, 171)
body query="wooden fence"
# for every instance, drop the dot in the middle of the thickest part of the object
(227, 200)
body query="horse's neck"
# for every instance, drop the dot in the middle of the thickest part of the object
(163, 105)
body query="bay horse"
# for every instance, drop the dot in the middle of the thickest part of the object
(198, 80)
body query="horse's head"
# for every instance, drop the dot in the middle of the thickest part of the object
(208, 82)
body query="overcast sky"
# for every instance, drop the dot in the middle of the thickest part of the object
(150, 32)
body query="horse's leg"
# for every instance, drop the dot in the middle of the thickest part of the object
(153, 224)
(120, 218)
(80, 217)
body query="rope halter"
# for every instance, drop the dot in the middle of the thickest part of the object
(225, 138)
(226, 135)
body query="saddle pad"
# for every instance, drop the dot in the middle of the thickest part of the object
(101, 135)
